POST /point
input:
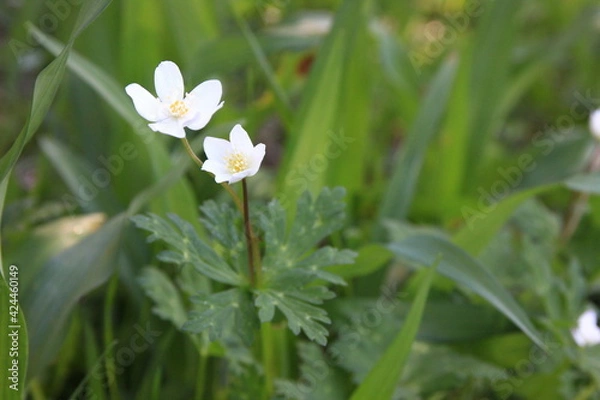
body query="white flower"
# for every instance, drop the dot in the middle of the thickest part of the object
(235, 159)
(587, 332)
(171, 111)
(595, 123)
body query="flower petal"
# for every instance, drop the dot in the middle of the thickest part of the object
(216, 149)
(240, 141)
(200, 119)
(587, 332)
(218, 169)
(204, 100)
(256, 157)
(168, 82)
(595, 123)
(238, 177)
(148, 106)
(169, 127)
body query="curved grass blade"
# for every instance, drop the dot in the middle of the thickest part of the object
(384, 377)
(459, 266)
(400, 192)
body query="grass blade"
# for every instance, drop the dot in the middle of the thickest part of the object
(384, 377)
(398, 198)
(459, 266)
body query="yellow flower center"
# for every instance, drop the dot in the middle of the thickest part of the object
(178, 108)
(236, 162)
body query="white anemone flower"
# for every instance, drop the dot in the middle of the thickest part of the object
(595, 123)
(172, 111)
(233, 160)
(587, 332)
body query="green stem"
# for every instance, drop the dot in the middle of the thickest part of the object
(201, 381)
(268, 356)
(199, 162)
(249, 236)
(108, 335)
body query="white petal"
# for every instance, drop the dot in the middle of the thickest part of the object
(200, 119)
(169, 127)
(595, 123)
(206, 95)
(587, 331)
(218, 169)
(168, 82)
(217, 149)
(240, 140)
(204, 100)
(148, 106)
(239, 176)
(256, 157)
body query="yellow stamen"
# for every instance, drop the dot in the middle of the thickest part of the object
(236, 162)
(178, 108)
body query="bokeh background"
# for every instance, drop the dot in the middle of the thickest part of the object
(461, 118)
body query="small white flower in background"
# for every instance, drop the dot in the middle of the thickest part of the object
(587, 332)
(595, 123)
(171, 111)
(235, 159)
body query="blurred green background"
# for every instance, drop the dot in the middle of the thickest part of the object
(427, 112)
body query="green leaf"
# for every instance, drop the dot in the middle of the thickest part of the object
(175, 197)
(289, 266)
(384, 377)
(224, 313)
(60, 284)
(13, 337)
(316, 219)
(319, 121)
(71, 167)
(398, 198)
(46, 86)
(457, 265)
(482, 223)
(224, 224)
(371, 258)
(299, 309)
(317, 379)
(167, 301)
(324, 257)
(586, 183)
(187, 247)
(491, 53)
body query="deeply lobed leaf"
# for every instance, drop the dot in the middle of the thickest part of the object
(187, 247)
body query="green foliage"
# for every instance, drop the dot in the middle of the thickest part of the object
(384, 376)
(459, 266)
(230, 311)
(288, 269)
(318, 380)
(460, 126)
(167, 301)
(187, 247)
(292, 273)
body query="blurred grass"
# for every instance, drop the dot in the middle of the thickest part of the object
(424, 110)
